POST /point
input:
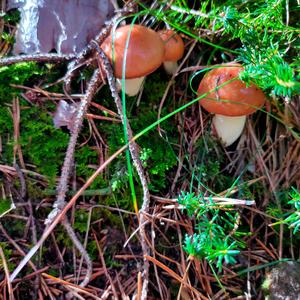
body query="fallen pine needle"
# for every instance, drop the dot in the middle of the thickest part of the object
(70, 285)
(175, 276)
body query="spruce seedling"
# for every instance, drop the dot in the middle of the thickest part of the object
(212, 240)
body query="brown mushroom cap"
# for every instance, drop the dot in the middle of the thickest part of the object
(174, 46)
(234, 98)
(144, 54)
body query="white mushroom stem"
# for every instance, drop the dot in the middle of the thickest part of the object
(170, 67)
(132, 86)
(228, 128)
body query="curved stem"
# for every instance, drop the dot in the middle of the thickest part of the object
(132, 86)
(229, 128)
(170, 67)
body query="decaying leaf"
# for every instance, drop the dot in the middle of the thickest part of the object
(65, 114)
(62, 25)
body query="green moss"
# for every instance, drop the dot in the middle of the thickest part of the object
(42, 144)
(81, 220)
(157, 160)
(17, 74)
(5, 206)
(12, 17)
(62, 237)
(208, 159)
(7, 253)
(154, 89)
(85, 156)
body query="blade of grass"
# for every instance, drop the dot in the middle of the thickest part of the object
(129, 165)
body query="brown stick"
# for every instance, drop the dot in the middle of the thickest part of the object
(65, 175)
(137, 163)
(48, 57)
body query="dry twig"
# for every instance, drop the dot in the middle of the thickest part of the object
(138, 165)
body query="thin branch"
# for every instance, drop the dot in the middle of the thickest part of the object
(66, 169)
(81, 249)
(138, 165)
(47, 57)
(65, 174)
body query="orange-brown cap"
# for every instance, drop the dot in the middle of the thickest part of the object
(145, 50)
(174, 46)
(232, 99)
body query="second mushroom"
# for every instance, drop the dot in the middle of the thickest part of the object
(229, 102)
(174, 49)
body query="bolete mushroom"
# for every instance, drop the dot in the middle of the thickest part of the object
(231, 102)
(174, 49)
(143, 55)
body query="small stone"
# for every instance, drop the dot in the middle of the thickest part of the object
(283, 282)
